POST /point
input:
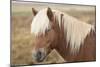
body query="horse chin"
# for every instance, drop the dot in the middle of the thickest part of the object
(40, 60)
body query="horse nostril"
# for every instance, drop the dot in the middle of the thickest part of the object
(39, 55)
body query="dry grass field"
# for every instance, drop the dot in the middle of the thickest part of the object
(22, 41)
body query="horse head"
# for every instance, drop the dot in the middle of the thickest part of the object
(46, 31)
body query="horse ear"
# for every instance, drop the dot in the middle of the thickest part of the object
(34, 11)
(49, 13)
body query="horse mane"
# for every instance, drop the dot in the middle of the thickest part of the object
(75, 30)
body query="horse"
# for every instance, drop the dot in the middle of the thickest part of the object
(74, 39)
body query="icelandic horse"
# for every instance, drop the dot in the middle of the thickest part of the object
(74, 39)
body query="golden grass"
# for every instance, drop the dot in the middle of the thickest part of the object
(22, 40)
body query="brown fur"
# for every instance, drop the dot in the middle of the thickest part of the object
(87, 51)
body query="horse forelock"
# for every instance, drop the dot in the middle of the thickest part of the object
(40, 23)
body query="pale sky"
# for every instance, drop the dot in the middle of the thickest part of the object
(85, 2)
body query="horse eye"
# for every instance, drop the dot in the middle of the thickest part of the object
(48, 30)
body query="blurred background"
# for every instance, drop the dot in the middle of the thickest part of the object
(21, 16)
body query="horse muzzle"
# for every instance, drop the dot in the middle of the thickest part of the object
(38, 56)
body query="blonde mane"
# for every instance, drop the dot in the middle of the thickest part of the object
(74, 29)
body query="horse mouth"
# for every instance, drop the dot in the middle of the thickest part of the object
(40, 60)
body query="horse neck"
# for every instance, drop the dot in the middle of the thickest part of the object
(64, 48)
(61, 47)
(61, 42)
